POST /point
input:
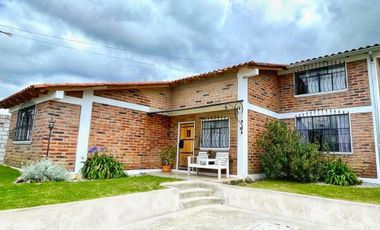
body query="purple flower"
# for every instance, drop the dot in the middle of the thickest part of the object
(94, 149)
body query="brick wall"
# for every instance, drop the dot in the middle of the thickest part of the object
(263, 90)
(63, 140)
(256, 126)
(134, 138)
(197, 118)
(156, 97)
(4, 127)
(358, 93)
(363, 158)
(210, 91)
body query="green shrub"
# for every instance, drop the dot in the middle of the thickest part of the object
(278, 143)
(168, 155)
(101, 166)
(43, 170)
(338, 173)
(306, 163)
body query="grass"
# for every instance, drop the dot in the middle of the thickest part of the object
(34, 194)
(358, 194)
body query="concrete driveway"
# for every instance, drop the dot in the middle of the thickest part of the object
(220, 217)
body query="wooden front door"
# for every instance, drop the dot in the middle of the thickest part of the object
(186, 144)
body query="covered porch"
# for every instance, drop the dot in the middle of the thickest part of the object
(208, 129)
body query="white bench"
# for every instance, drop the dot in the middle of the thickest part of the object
(220, 162)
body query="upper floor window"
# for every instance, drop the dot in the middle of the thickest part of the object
(24, 125)
(325, 79)
(331, 132)
(215, 134)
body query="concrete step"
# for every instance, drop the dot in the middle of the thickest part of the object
(183, 185)
(194, 192)
(197, 201)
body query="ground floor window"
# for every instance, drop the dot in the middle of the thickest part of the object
(215, 133)
(331, 132)
(24, 125)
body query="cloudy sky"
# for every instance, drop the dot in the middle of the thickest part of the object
(145, 40)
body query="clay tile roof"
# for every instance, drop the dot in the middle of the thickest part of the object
(346, 52)
(35, 90)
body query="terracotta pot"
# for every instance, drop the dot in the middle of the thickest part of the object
(166, 168)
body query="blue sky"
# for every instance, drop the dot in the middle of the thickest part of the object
(161, 40)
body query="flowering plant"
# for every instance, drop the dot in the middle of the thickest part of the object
(95, 149)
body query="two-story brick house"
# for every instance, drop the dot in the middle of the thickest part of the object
(332, 99)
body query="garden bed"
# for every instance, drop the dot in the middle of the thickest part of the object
(35, 194)
(350, 193)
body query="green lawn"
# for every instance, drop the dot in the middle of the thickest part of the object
(29, 195)
(366, 195)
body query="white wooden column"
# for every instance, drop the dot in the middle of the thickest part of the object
(242, 136)
(84, 129)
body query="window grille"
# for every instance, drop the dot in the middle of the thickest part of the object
(24, 125)
(324, 79)
(215, 134)
(331, 132)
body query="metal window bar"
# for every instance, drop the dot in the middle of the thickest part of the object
(331, 132)
(323, 79)
(215, 134)
(24, 125)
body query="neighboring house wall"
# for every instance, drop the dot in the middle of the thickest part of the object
(197, 118)
(63, 139)
(221, 88)
(134, 138)
(4, 127)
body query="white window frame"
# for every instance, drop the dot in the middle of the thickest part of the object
(229, 135)
(320, 93)
(350, 124)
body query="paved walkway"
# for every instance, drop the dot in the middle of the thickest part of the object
(220, 217)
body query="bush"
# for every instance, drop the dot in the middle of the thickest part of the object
(306, 163)
(101, 166)
(168, 155)
(278, 143)
(43, 170)
(338, 173)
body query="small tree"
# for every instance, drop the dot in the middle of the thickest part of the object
(278, 143)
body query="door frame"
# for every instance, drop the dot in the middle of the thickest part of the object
(179, 136)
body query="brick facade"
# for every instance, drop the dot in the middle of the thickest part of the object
(358, 93)
(63, 140)
(256, 126)
(222, 88)
(134, 138)
(158, 98)
(197, 118)
(362, 159)
(264, 91)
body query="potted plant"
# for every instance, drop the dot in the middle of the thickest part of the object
(168, 156)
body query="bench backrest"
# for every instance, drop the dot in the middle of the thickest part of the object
(222, 158)
(202, 156)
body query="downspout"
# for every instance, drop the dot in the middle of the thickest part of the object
(375, 99)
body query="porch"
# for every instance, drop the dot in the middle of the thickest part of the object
(205, 177)
(209, 129)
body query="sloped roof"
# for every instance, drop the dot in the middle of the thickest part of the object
(346, 52)
(35, 90)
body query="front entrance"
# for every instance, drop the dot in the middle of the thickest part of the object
(185, 143)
